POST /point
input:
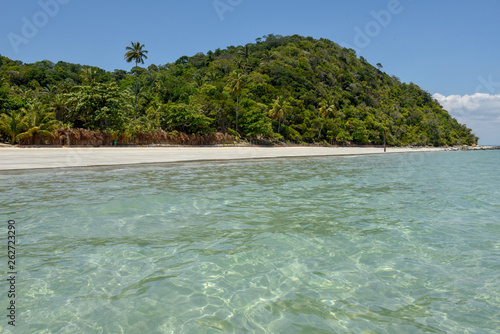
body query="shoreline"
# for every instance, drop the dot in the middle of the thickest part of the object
(29, 158)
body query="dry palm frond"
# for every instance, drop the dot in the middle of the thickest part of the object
(86, 137)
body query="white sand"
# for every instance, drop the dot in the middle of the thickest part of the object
(34, 158)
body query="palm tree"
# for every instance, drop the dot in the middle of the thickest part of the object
(154, 114)
(244, 51)
(279, 110)
(137, 54)
(39, 122)
(326, 108)
(236, 85)
(12, 124)
(89, 76)
(60, 105)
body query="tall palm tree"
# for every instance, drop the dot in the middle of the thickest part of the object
(236, 85)
(138, 54)
(279, 110)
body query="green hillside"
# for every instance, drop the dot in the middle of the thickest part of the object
(290, 89)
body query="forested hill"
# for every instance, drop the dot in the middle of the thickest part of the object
(294, 89)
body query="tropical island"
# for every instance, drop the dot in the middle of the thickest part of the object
(280, 89)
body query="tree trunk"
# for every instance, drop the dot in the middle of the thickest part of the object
(321, 129)
(237, 105)
(135, 104)
(385, 142)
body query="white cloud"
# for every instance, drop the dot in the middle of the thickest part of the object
(480, 112)
(479, 106)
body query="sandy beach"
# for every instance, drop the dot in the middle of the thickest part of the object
(35, 158)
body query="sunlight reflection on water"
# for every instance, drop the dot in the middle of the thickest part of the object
(278, 246)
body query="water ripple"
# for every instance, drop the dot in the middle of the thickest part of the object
(396, 243)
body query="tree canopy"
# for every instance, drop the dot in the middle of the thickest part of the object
(282, 88)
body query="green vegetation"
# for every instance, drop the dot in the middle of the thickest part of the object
(293, 89)
(137, 54)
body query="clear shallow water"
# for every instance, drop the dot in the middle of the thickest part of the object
(380, 244)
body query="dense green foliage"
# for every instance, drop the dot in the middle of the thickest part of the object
(292, 88)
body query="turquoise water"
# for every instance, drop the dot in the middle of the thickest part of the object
(405, 243)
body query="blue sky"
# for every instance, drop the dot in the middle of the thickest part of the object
(449, 48)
